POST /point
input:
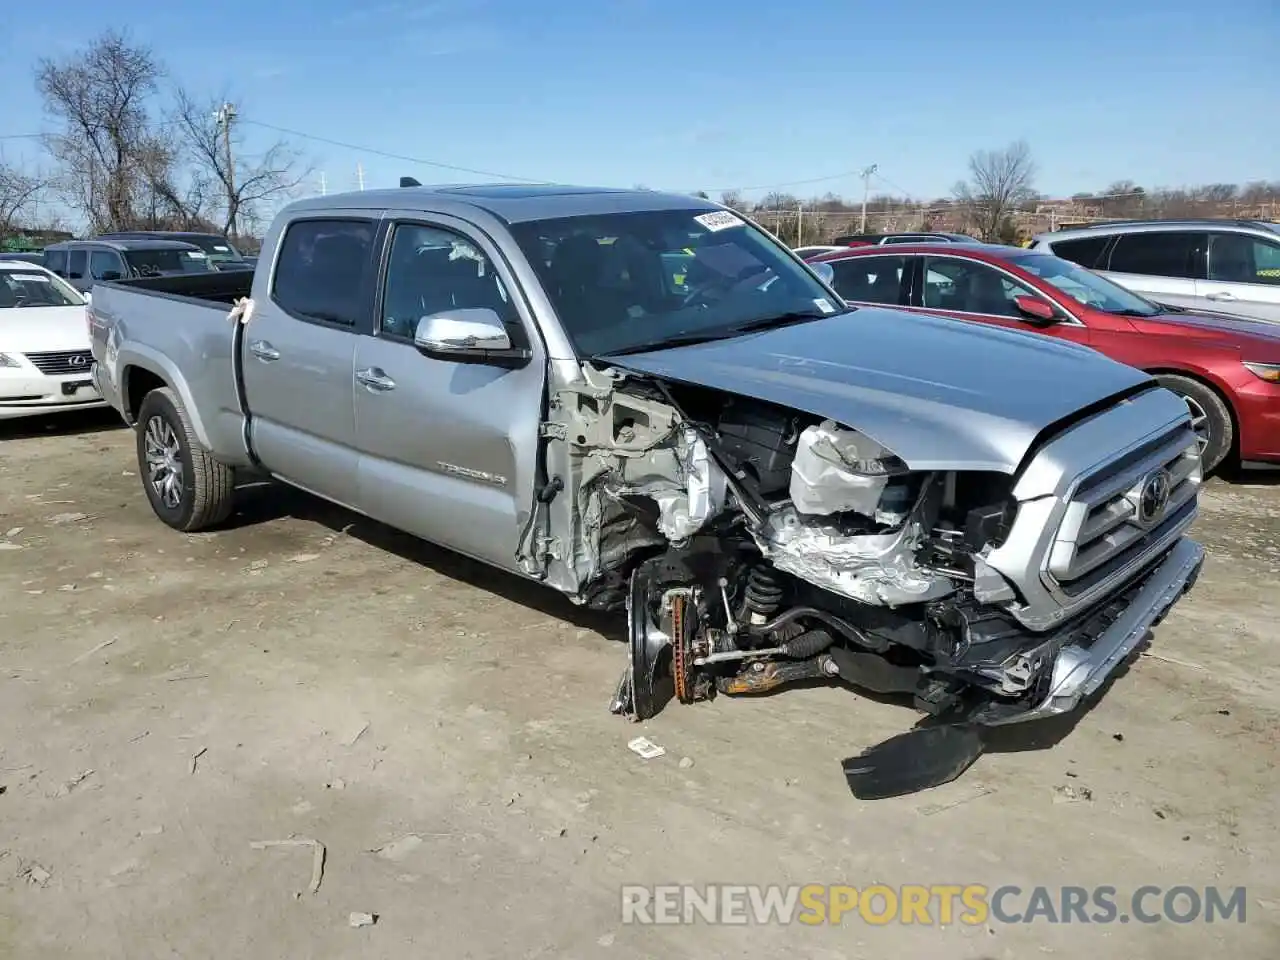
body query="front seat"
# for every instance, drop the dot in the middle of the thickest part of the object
(987, 294)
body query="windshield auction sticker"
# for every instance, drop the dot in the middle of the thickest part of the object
(720, 220)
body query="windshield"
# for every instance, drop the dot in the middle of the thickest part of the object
(218, 249)
(33, 288)
(627, 281)
(155, 263)
(1085, 286)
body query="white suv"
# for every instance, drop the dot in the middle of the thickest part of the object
(1224, 266)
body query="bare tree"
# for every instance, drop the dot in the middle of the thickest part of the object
(240, 183)
(1000, 181)
(101, 96)
(733, 200)
(19, 194)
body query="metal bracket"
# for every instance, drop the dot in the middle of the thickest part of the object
(553, 431)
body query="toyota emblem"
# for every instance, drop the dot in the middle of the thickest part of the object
(1153, 497)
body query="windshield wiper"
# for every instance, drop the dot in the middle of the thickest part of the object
(724, 333)
(1131, 313)
(780, 320)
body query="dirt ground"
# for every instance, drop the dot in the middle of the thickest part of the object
(167, 700)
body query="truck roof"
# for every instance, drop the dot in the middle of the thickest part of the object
(513, 203)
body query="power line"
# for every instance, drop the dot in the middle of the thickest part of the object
(390, 156)
(788, 183)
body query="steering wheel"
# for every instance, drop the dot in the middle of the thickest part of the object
(721, 283)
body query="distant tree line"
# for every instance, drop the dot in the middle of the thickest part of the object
(998, 201)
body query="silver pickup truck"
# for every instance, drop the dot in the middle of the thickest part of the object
(647, 403)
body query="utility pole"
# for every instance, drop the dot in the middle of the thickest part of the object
(799, 224)
(360, 176)
(225, 116)
(866, 189)
(324, 185)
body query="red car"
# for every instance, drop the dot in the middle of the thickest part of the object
(1226, 368)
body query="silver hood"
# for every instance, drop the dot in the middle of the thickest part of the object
(942, 394)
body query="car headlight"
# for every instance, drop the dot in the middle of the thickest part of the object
(9, 361)
(1269, 372)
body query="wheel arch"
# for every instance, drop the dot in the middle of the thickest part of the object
(143, 370)
(1210, 383)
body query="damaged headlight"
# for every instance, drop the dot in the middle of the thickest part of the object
(837, 470)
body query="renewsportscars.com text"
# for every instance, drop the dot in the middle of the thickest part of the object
(928, 904)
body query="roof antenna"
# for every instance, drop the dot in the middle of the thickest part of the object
(409, 182)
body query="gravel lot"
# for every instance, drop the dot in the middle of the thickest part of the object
(167, 700)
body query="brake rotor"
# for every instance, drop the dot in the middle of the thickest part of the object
(681, 649)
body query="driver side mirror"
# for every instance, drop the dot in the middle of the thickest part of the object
(1035, 311)
(825, 272)
(471, 335)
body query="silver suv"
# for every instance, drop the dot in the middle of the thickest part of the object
(1226, 266)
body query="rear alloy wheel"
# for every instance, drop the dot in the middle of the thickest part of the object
(164, 462)
(1210, 418)
(187, 488)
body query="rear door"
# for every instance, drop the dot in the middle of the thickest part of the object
(1161, 265)
(1243, 276)
(973, 290)
(300, 351)
(447, 449)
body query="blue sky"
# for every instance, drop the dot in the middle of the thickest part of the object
(709, 94)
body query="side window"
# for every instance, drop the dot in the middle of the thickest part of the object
(1239, 258)
(56, 260)
(321, 270)
(1154, 254)
(968, 287)
(1084, 251)
(870, 279)
(433, 271)
(103, 263)
(77, 264)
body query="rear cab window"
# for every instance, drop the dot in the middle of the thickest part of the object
(166, 261)
(324, 269)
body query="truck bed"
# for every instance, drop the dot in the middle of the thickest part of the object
(223, 288)
(190, 344)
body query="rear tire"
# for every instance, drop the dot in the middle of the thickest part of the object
(1209, 416)
(188, 489)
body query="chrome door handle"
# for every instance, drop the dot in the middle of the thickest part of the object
(1225, 296)
(375, 379)
(263, 350)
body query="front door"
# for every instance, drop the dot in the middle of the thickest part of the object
(447, 449)
(299, 351)
(1242, 277)
(969, 290)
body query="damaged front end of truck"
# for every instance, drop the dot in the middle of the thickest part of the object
(754, 544)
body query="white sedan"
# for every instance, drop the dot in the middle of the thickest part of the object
(44, 344)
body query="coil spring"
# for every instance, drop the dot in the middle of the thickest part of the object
(763, 592)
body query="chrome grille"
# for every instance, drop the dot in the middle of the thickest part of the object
(1124, 510)
(57, 363)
